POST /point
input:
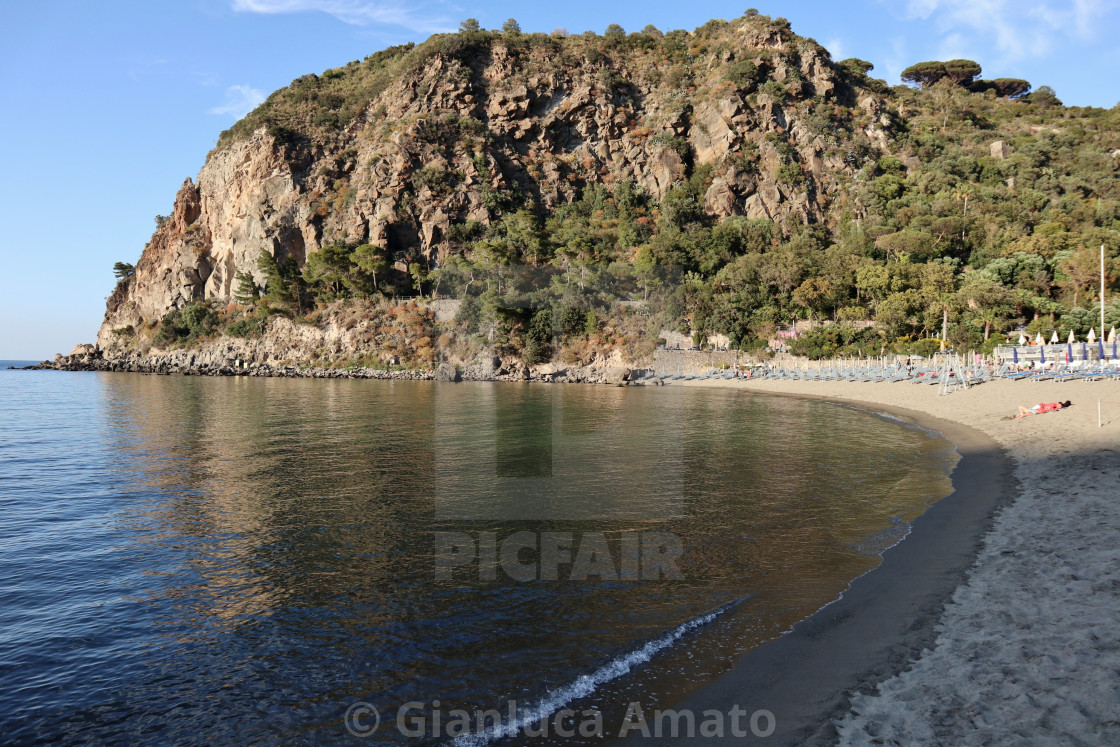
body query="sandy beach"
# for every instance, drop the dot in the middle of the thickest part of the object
(995, 621)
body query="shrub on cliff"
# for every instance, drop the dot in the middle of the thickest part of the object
(247, 327)
(188, 324)
(745, 75)
(538, 338)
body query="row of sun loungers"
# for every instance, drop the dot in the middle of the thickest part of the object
(917, 375)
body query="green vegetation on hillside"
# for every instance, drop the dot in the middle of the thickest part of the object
(987, 207)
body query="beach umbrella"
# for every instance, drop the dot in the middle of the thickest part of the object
(1042, 355)
(1071, 340)
(1092, 336)
(1038, 339)
(1069, 352)
(1054, 338)
(1112, 335)
(1114, 349)
(1015, 356)
(1100, 348)
(1022, 340)
(1084, 352)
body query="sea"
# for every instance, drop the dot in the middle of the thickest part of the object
(238, 560)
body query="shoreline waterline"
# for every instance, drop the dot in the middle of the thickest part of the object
(886, 616)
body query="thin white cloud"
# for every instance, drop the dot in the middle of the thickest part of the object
(1015, 29)
(896, 61)
(354, 12)
(1086, 17)
(143, 67)
(836, 48)
(954, 47)
(240, 100)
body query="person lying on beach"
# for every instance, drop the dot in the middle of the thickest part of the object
(1042, 407)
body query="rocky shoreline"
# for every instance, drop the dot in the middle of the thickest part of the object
(186, 363)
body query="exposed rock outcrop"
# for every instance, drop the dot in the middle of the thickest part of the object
(430, 146)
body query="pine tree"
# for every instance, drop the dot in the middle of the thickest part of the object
(247, 291)
(277, 290)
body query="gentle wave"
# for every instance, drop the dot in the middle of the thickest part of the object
(587, 684)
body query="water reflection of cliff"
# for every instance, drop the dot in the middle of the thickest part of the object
(275, 492)
(553, 453)
(292, 493)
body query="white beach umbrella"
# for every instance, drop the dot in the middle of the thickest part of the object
(1112, 335)
(1022, 340)
(1054, 338)
(1038, 339)
(1071, 339)
(1092, 336)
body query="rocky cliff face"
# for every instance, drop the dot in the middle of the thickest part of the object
(451, 129)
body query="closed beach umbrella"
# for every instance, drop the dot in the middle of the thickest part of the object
(1038, 339)
(1015, 355)
(1084, 352)
(1112, 335)
(1054, 338)
(1092, 336)
(1042, 355)
(1069, 352)
(1022, 340)
(1114, 349)
(1071, 340)
(1100, 348)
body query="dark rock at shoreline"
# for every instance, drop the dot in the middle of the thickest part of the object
(163, 367)
(448, 372)
(187, 363)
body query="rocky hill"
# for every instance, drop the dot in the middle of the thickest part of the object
(740, 153)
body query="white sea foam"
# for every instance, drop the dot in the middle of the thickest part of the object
(587, 684)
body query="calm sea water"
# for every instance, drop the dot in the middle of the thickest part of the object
(201, 560)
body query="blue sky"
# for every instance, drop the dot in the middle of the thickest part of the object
(108, 106)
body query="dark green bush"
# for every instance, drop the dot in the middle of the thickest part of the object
(745, 75)
(244, 327)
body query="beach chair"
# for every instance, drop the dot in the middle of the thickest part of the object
(1066, 375)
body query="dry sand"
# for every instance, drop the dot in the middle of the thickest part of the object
(1028, 648)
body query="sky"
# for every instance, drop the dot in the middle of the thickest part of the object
(106, 107)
